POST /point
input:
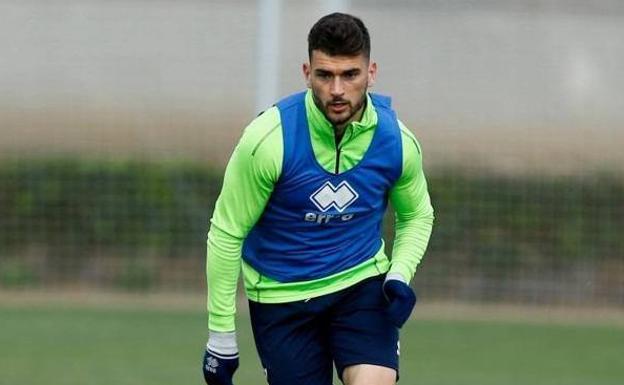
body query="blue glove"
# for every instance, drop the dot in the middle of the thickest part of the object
(218, 369)
(220, 359)
(401, 300)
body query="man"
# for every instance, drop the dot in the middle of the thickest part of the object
(302, 201)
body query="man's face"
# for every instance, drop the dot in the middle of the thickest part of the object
(339, 85)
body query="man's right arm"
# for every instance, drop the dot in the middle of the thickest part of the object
(250, 176)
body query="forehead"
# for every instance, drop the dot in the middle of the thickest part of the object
(321, 60)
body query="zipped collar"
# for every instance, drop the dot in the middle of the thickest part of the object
(324, 130)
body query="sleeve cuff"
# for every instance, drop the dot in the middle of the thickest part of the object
(222, 342)
(396, 276)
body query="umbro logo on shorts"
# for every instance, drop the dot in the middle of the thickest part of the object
(339, 197)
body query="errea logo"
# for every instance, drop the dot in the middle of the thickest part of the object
(212, 364)
(339, 197)
(327, 196)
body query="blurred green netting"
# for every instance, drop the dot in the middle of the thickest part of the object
(142, 226)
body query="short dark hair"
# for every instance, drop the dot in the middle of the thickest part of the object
(339, 34)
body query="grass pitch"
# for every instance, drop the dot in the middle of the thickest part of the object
(74, 345)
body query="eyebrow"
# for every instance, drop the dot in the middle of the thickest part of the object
(319, 71)
(350, 71)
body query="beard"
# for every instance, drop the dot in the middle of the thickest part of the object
(352, 109)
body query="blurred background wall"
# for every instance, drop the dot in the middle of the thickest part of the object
(117, 117)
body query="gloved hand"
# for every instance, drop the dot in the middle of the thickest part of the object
(220, 359)
(401, 299)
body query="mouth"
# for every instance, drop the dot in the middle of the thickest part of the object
(338, 107)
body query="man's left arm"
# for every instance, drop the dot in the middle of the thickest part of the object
(413, 212)
(414, 220)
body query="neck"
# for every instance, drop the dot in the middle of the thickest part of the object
(339, 129)
(339, 133)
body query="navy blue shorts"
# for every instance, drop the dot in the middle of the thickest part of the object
(299, 342)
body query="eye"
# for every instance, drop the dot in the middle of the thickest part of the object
(350, 75)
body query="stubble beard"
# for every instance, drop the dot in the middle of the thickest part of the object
(353, 110)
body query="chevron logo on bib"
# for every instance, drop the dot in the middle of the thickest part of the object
(339, 197)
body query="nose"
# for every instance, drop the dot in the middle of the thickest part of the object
(337, 88)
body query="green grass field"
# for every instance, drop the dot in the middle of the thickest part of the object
(59, 345)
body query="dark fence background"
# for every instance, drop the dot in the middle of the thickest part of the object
(138, 225)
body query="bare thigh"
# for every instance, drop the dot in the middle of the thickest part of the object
(364, 374)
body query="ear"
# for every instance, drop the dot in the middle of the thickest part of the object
(306, 74)
(372, 73)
